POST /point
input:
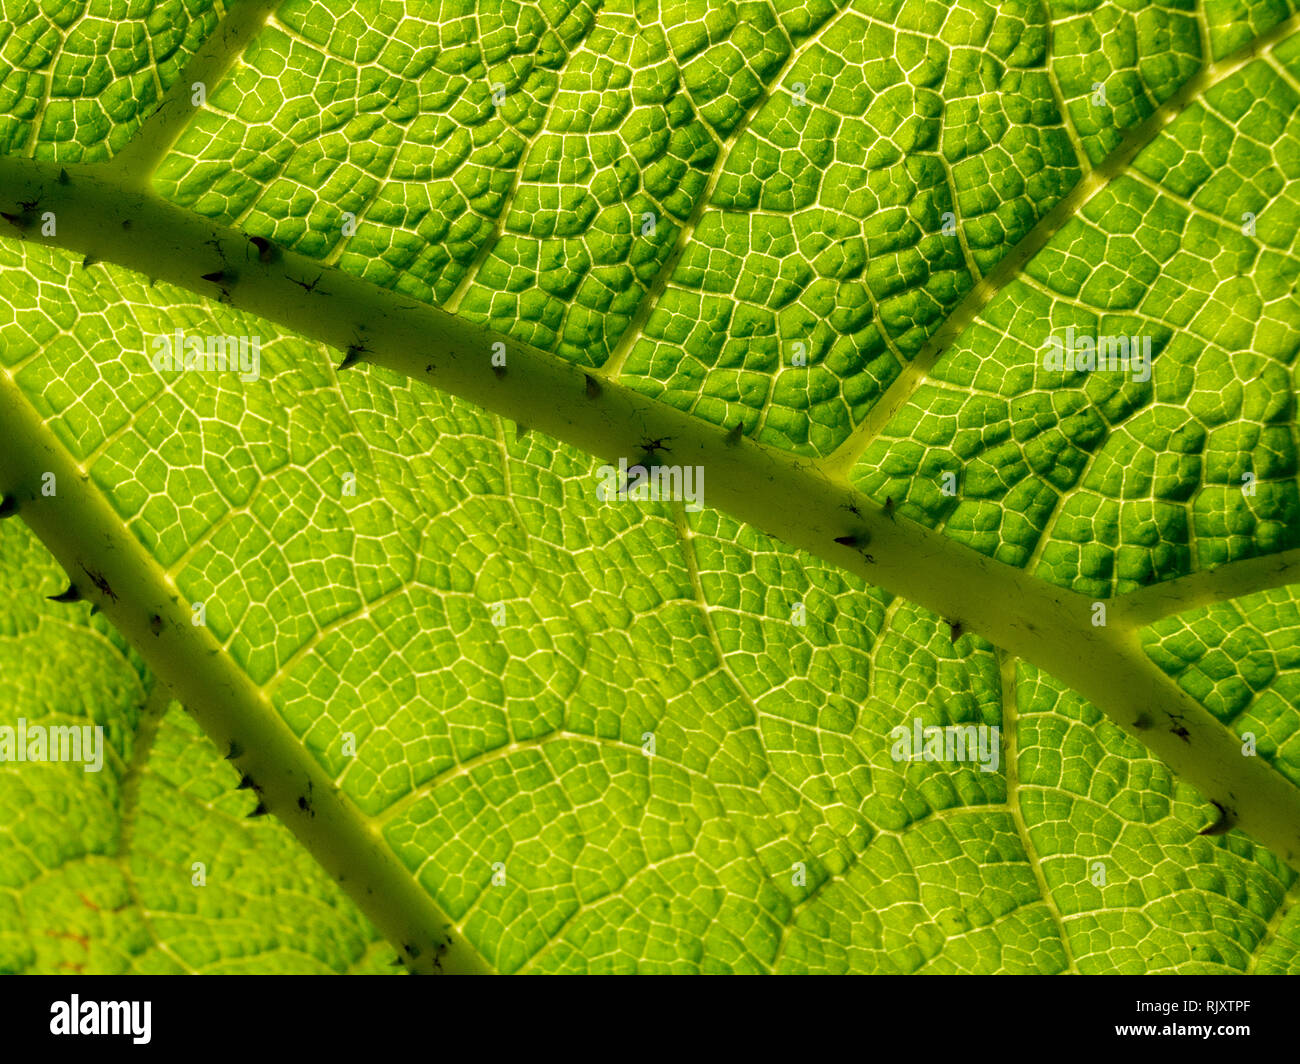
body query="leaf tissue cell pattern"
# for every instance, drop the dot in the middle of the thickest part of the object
(1239, 658)
(523, 165)
(827, 247)
(99, 867)
(1105, 482)
(81, 78)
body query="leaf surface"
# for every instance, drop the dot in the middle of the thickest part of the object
(817, 254)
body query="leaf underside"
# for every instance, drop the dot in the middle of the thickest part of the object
(517, 726)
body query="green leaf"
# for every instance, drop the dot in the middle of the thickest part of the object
(812, 255)
(103, 859)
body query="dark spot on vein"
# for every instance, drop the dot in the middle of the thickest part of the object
(310, 287)
(265, 249)
(651, 447)
(97, 578)
(353, 355)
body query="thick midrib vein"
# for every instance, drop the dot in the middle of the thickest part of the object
(916, 372)
(1048, 626)
(166, 126)
(1149, 604)
(84, 533)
